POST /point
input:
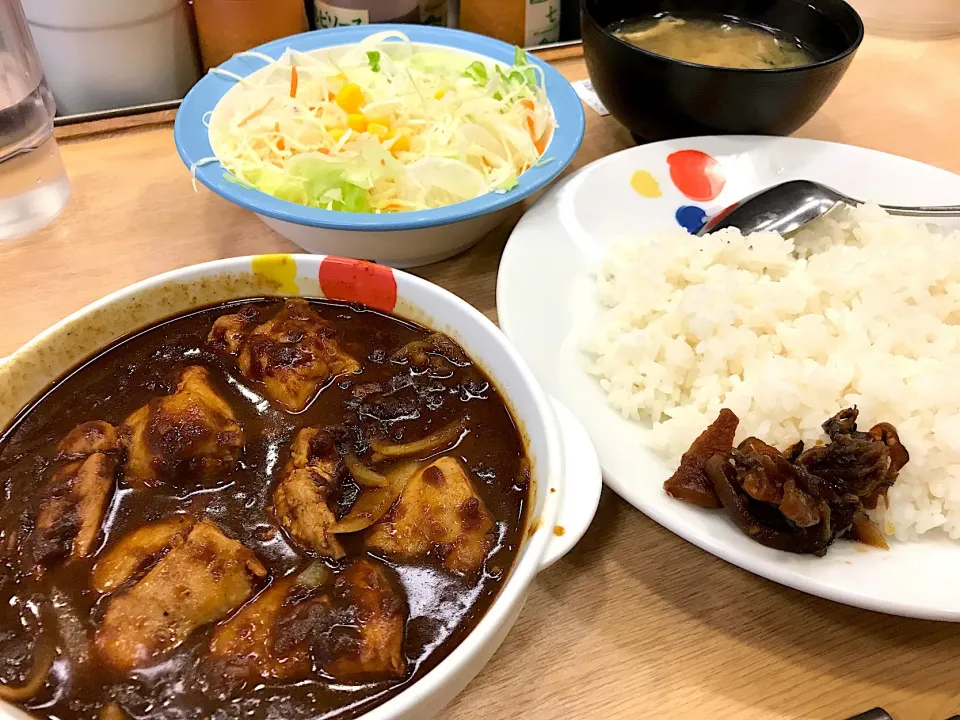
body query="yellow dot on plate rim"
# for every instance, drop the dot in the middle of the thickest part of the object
(645, 184)
(279, 270)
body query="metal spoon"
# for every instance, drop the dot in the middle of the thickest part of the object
(787, 207)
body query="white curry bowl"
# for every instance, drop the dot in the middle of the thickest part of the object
(400, 239)
(566, 482)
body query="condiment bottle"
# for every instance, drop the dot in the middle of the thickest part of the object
(434, 12)
(226, 27)
(334, 13)
(518, 22)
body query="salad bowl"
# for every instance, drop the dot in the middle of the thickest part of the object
(400, 239)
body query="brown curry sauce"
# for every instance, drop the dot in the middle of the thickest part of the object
(442, 607)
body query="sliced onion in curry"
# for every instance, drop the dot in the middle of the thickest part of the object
(442, 438)
(314, 575)
(44, 654)
(362, 474)
(373, 504)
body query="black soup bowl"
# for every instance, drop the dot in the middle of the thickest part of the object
(657, 97)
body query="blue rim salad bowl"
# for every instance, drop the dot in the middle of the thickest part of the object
(400, 239)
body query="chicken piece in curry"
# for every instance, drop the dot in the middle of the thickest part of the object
(306, 490)
(77, 493)
(292, 354)
(199, 581)
(190, 435)
(366, 636)
(138, 551)
(272, 508)
(439, 513)
(245, 643)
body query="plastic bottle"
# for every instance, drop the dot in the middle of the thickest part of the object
(520, 22)
(334, 13)
(226, 27)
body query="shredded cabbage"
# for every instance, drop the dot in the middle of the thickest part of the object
(383, 126)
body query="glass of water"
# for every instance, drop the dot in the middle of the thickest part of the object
(33, 183)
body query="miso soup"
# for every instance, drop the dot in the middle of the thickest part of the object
(721, 42)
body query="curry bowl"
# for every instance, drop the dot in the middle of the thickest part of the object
(657, 97)
(399, 239)
(562, 471)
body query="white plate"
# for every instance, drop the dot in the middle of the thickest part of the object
(544, 293)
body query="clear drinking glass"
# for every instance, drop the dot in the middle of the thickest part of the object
(33, 183)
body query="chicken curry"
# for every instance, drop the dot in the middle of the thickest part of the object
(265, 509)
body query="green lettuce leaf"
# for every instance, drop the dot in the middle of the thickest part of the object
(477, 72)
(508, 184)
(313, 182)
(520, 58)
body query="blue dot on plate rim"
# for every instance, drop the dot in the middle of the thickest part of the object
(691, 218)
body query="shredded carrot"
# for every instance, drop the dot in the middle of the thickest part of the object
(294, 81)
(539, 143)
(541, 147)
(281, 145)
(255, 113)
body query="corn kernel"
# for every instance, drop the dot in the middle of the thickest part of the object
(350, 97)
(402, 141)
(357, 122)
(336, 133)
(377, 129)
(439, 94)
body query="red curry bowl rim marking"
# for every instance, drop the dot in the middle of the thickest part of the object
(360, 281)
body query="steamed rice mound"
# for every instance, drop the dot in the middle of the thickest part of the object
(860, 309)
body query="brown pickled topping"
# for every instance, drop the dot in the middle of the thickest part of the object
(690, 482)
(801, 500)
(273, 508)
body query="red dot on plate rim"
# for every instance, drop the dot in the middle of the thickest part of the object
(696, 174)
(358, 281)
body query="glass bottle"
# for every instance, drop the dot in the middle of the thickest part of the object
(33, 183)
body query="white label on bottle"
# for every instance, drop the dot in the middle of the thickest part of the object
(328, 16)
(584, 89)
(542, 22)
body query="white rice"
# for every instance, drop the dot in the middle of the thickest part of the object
(861, 309)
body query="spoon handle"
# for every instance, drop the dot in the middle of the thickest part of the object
(933, 211)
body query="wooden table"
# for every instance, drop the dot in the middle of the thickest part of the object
(635, 622)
